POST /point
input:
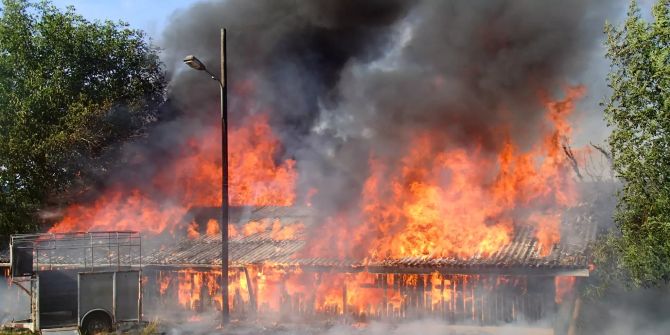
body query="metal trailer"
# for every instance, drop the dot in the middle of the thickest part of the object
(88, 282)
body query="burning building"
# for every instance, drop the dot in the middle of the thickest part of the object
(271, 276)
(388, 160)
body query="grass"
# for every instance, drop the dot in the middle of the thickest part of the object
(14, 332)
(150, 329)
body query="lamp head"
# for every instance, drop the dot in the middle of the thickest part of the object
(194, 63)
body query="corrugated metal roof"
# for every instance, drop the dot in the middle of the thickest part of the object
(206, 251)
(520, 255)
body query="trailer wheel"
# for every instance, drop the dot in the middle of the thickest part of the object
(96, 323)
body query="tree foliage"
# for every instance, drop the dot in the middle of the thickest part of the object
(639, 113)
(69, 89)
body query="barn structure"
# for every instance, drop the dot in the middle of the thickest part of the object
(516, 284)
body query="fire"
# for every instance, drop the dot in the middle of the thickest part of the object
(259, 181)
(293, 292)
(435, 199)
(443, 201)
(564, 286)
(192, 230)
(270, 287)
(413, 215)
(286, 232)
(194, 179)
(213, 227)
(277, 230)
(164, 283)
(120, 210)
(254, 227)
(190, 286)
(193, 286)
(213, 288)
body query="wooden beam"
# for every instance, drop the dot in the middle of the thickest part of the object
(250, 287)
(344, 300)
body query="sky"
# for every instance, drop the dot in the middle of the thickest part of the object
(148, 15)
(152, 15)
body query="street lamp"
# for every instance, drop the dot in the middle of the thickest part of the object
(196, 64)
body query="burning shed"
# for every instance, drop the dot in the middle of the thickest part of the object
(276, 275)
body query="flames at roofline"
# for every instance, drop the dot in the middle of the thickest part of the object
(438, 202)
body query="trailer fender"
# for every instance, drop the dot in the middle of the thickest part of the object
(96, 321)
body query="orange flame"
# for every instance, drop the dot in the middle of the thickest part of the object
(190, 286)
(564, 286)
(192, 230)
(164, 283)
(194, 179)
(286, 232)
(439, 201)
(255, 227)
(213, 227)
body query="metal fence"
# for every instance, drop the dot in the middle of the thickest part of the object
(91, 251)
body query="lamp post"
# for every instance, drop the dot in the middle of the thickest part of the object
(196, 64)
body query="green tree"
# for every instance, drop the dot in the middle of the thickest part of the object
(69, 90)
(639, 113)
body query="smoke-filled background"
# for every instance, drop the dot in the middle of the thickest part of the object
(340, 79)
(344, 83)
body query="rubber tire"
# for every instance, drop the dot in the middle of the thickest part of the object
(96, 323)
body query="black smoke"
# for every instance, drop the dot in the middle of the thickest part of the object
(343, 78)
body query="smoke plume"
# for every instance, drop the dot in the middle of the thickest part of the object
(344, 82)
(344, 78)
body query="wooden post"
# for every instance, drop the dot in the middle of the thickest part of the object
(344, 300)
(442, 314)
(201, 292)
(464, 287)
(405, 299)
(473, 297)
(452, 305)
(420, 294)
(428, 294)
(572, 328)
(250, 287)
(384, 309)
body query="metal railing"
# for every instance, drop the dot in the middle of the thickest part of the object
(90, 251)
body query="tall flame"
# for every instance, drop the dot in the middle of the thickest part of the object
(452, 202)
(194, 179)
